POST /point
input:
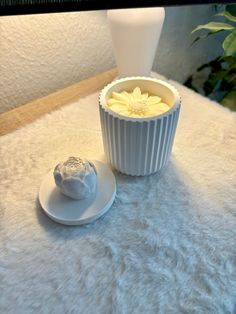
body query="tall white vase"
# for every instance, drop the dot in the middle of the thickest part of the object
(135, 36)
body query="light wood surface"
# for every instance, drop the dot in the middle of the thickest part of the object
(20, 116)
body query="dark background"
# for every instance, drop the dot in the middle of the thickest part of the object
(13, 7)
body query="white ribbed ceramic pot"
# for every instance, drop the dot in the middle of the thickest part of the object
(139, 146)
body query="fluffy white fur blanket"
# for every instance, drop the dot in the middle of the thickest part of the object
(167, 245)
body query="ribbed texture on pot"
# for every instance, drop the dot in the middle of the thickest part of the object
(138, 147)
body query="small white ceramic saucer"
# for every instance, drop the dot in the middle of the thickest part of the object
(67, 211)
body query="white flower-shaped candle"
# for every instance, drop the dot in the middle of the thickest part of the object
(76, 178)
(136, 104)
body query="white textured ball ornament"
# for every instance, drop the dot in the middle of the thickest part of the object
(76, 178)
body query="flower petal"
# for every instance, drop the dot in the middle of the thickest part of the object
(113, 101)
(152, 113)
(121, 96)
(144, 96)
(125, 93)
(124, 112)
(118, 107)
(163, 107)
(153, 99)
(137, 92)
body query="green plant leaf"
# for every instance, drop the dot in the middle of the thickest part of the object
(215, 64)
(225, 86)
(231, 78)
(214, 27)
(231, 8)
(229, 44)
(204, 36)
(229, 100)
(228, 15)
(208, 88)
(206, 65)
(229, 59)
(226, 75)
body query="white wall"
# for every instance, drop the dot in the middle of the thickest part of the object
(42, 53)
(176, 58)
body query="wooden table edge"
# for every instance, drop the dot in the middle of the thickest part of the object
(22, 115)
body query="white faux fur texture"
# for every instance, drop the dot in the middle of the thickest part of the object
(167, 245)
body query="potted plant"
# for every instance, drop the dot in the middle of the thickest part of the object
(220, 81)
